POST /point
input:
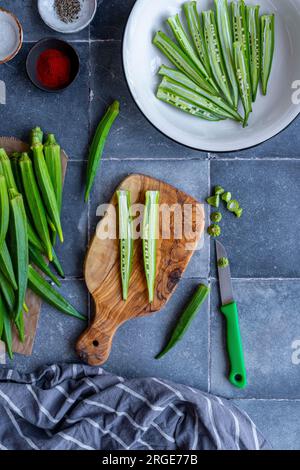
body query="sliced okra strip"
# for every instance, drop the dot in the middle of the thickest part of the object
(239, 25)
(150, 235)
(267, 49)
(253, 27)
(126, 239)
(243, 77)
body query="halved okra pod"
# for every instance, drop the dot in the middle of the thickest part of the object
(19, 246)
(181, 60)
(195, 29)
(185, 105)
(46, 186)
(253, 27)
(44, 290)
(126, 239)
(239, 26)
(183, 80)
(171, 86)
(243, 77)
(4, 211)
(226, 40)
(150, 236)
(98, 143)
(215, 54)
(267, 49)
(183, 41)
(35, 203)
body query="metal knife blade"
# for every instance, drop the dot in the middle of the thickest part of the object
(224, 276)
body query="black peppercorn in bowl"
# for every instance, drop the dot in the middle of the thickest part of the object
(52, 65)
(67, 16)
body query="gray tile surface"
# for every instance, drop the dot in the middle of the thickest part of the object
(269, 322)
(264, 244)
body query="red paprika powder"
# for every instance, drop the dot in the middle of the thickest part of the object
(54, 68)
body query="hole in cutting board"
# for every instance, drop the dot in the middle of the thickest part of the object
(96, 343)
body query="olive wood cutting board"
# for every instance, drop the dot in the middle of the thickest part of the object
(102, 272)
(11, 144)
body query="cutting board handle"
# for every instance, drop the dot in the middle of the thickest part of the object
(94, 344)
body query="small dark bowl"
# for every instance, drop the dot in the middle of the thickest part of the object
(51, 43)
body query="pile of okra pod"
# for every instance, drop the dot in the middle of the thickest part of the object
(221, 61)
(30, 204)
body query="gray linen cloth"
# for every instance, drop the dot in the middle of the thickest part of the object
(74, 407)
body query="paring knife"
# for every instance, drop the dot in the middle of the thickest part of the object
(238, 376)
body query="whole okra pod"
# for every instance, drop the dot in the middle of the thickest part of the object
(267, 49)
(226, 40)
(215, 54)
(181, 60)
(19, 246)
(243, 77)
(6, 328)
(46, 187)
(35, 203)
(253, 26)
(53, 162)
(150, 235)
(6, 266)
(4, 211)
(126, 239)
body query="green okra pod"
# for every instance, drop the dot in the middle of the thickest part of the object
(8, 292)
(53, 162)
(6, 170)
(46, 187)
(126, 239)
(185, 105)
(267, 49)
(181, 60)
(171, 86)
(243, 77)
(6, 328)
(253, 27)
(44, 290)
(98, 143)
(150, 236)
(195, 29)
(183, 80)
(4, 211)
(239, 26)
(215, 54)
(184, 42)
(6, 266)
(226, 40)
(37, 258)
(19, 246)
(35, 204)
(186, 319)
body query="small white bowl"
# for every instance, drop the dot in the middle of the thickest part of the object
(50, 17)
(11, 35)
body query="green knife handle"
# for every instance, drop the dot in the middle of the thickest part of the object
(238, 376)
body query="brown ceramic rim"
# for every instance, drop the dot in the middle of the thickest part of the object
(11, 56)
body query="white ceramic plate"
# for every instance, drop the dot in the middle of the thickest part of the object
(271, 114)
(11, 35)
(49, 16)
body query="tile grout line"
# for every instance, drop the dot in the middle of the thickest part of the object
(209, 281)
(78, 41)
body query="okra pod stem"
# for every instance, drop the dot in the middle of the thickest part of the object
(253, 27)
(226, 40)
(126, 239)
(183, 80)
(171, 86)
(195, 29)
(243, 77)
(267, 49)
(35, 203)
(181, 60)
(185, 105)
(44, 290)
(19, 244)
(183, 41)
(215, 55)
(4, 210)
(36, 133)
(98, 143)
(150, 235)
(46, 187)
